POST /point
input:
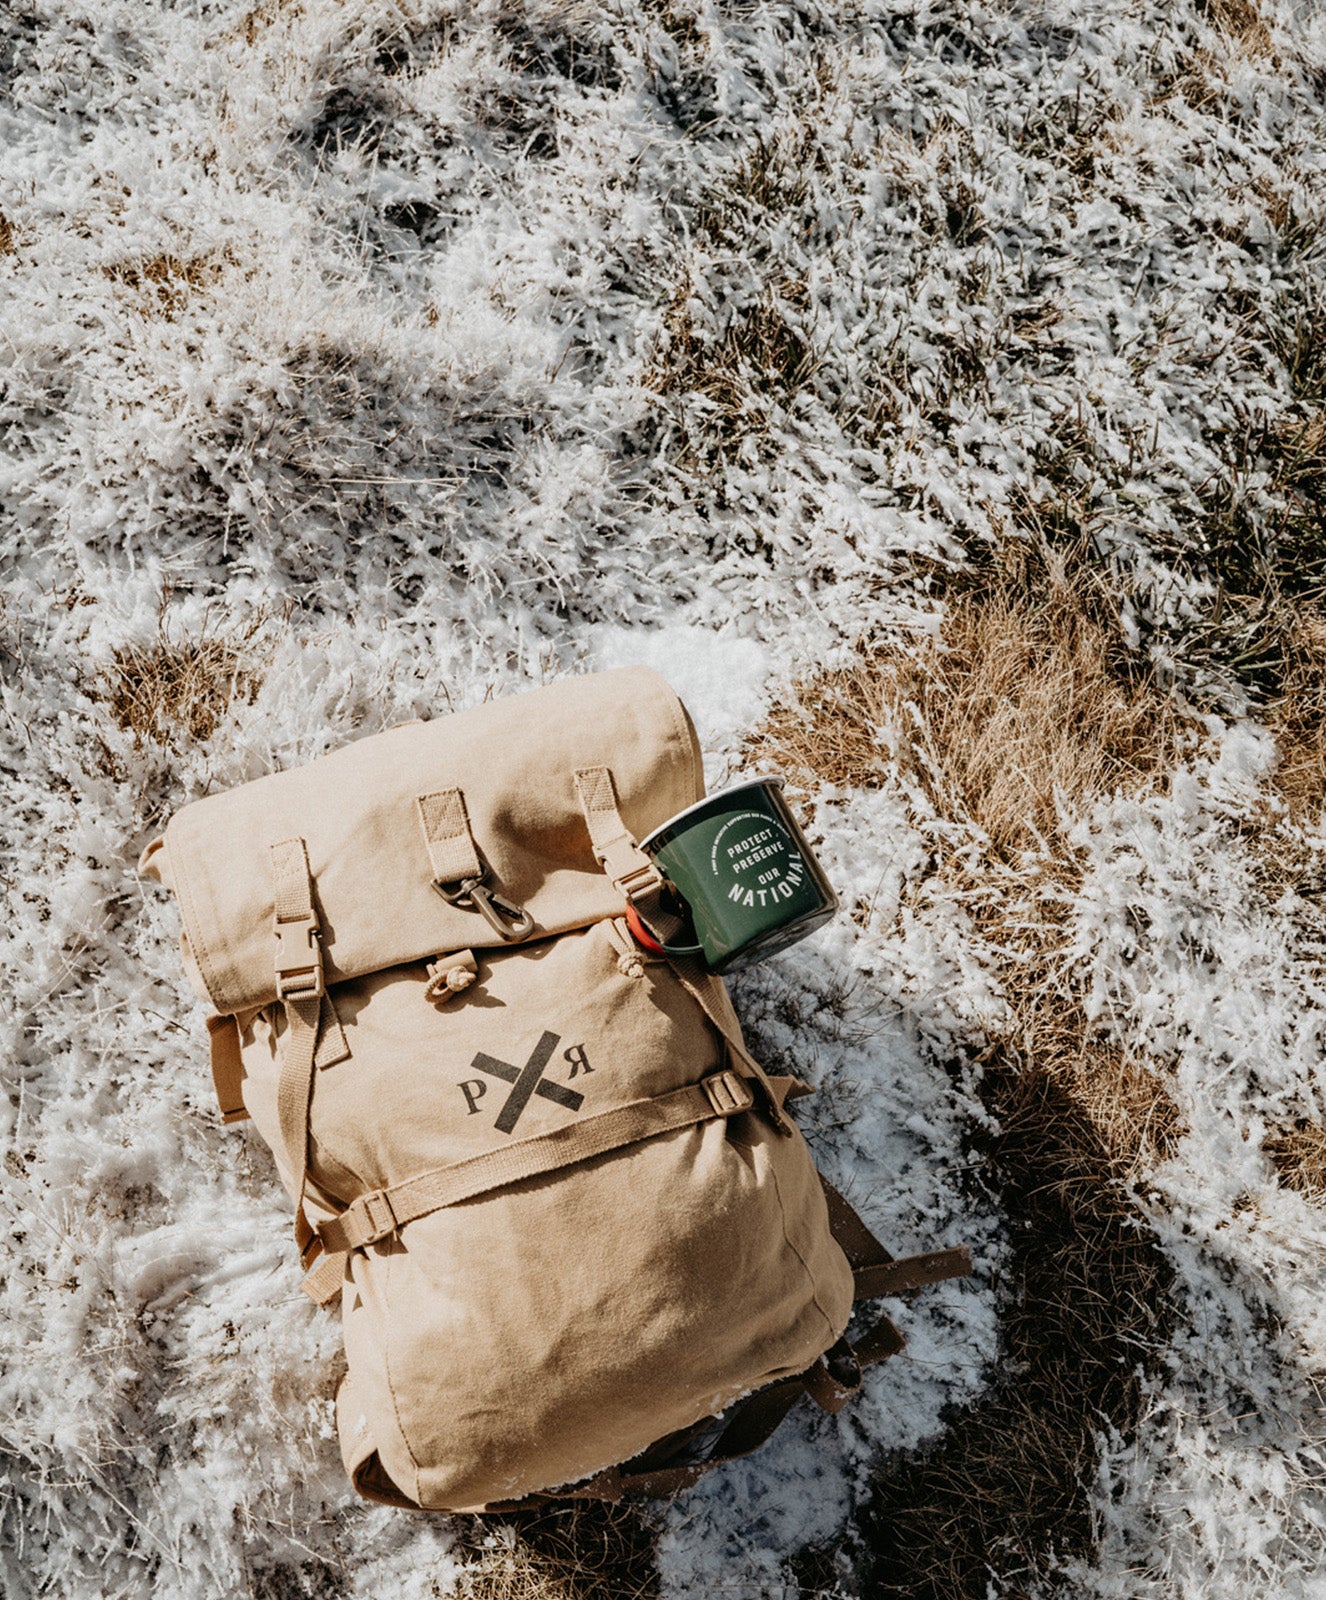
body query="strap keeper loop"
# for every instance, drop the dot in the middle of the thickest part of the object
(379, 1219)
(728, 1093)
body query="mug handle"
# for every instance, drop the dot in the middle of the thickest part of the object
(644, 938)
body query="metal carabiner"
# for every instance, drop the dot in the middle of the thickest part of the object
(472, 894)
(494, 908)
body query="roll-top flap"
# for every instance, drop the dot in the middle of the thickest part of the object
(383, 817)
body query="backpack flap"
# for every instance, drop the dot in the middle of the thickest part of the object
(395, 826)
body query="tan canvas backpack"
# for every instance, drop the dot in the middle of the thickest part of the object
(567, 1216)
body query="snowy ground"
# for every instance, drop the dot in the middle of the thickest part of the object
(422, 350)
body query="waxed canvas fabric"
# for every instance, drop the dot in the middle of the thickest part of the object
(531, 1336)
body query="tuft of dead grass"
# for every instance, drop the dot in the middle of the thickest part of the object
(771, 179)
(1025, 704)
(7, 245)
(681, 25)
(1263, 548)
(176, 689)
(166, 281)
(1283, 204)
(1298, 719)
(256, 21)
(1298, 1153)
(1240, 20)
(756, 366)
(577, 1550)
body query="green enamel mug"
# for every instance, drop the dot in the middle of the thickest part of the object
(740, 863)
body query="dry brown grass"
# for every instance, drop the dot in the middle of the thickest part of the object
(1240, 20)
(1298, 719)
(7, 245)
(255, 22)
(1267, 562)
(1286, 207)
(166, 281)
(1026, 704)
(1291, 862)
(1299, 1155)
(1023, 711)
(757, 365)
(176, 689)
(581, 1550)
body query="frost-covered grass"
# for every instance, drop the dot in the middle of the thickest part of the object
(365, 357)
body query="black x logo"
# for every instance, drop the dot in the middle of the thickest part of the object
(527, 1080)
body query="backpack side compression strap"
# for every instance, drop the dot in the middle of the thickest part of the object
(876, 1271)
(299, 983)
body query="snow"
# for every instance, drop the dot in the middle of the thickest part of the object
(431, 450)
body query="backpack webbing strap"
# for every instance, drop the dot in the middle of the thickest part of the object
(326, 1280)
(875, 1273)
(633, 874)
(875, 1270)
(227, 1067)
(228, 1062)
(332, 1045)
(752, 1422)
(452, 852)
(912, 1272)
(854, 1239)
(299, 983)
(376, 1215)
(709, 993)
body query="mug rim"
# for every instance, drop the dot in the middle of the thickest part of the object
(718, 794)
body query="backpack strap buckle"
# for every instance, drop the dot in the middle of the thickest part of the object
(638, 882)
(369, 1218)
(299, 974)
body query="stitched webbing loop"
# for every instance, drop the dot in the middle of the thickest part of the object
(631, 870)
(452, 852)
(459, 871)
